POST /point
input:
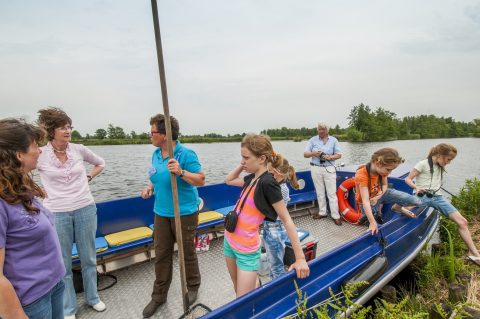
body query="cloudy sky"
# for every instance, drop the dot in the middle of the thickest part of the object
(239, 66)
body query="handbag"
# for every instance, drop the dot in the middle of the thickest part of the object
(231, 219)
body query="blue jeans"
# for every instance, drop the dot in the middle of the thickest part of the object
(393, 196)
(81, 224)
(49, 306)
(275, 235)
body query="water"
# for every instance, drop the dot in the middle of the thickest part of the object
(126, 172)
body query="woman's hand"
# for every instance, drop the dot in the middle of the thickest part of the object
(174, 167)
(301, 267)
(147, 192)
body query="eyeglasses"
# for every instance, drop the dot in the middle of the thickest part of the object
(154, 132)
(66, 128)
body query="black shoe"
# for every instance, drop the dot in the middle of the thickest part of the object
(192, 296)
(363, 220)
(338, 222)
(151, 308)
(379, 219)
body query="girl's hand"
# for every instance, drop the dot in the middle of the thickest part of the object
(419, 190)
(147, 192)
(374, 199)
(301, 267)
(373, 227)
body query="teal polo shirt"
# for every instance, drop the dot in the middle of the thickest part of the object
(160, 178)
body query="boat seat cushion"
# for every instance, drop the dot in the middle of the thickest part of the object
(204, 217)
(100, 245)
(128, 236)
(225, 210)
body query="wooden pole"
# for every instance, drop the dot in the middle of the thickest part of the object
(173, 178)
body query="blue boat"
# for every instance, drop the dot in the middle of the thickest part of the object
(338, 260)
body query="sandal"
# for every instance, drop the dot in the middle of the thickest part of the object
(474, 259)
(405, 212)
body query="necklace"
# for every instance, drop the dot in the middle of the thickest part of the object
(58, 151)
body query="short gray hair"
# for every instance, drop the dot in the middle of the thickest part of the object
(322, 125)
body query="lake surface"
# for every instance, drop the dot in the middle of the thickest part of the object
(126, 169)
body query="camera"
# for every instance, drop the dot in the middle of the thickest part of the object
(427, 193)
(322, 157)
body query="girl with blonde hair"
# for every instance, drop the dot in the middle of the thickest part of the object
(372, 188)
(261, 198)
(428, 175)
(274, 233)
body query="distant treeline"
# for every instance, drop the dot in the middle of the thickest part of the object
(365, 125)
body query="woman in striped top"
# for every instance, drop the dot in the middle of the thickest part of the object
(261, 199)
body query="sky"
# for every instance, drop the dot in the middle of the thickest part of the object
(239, 66)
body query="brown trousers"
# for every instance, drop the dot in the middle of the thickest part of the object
(164, 239)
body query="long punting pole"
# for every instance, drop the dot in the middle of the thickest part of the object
(173, 178)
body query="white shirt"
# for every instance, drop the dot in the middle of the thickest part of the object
(66, 183)
(426, 180)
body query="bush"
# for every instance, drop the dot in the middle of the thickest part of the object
(468, 199)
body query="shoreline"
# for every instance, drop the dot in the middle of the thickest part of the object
(236, 139)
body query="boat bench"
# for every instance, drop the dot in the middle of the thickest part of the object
(120, 216)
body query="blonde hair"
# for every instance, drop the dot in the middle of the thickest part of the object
(281, 164)
(443, 149)
(386, 156)
(258, 145)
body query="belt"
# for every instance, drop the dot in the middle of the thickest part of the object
(320, 165)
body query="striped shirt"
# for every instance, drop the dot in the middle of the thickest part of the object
(245, 238)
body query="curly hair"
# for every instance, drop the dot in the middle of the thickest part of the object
(52, 118)
(17, 186)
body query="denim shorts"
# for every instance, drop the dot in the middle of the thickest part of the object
(393, 196)
(244, 261)
(439, 203)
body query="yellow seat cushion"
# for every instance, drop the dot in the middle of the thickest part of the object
(127, 236)
(209, 216)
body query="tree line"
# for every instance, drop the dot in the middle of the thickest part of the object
(365, 125)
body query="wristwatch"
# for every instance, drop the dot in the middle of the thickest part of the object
(182, 173)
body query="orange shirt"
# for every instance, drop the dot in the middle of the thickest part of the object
(361, 180)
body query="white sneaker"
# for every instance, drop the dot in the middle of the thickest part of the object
(69, 317)
(100, 306)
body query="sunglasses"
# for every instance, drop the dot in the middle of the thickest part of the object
(429, 195)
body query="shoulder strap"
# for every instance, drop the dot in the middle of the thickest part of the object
(430, 163)
(246, 195)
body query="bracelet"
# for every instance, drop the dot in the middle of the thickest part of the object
(89, 177)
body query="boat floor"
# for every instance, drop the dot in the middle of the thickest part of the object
(128, 297)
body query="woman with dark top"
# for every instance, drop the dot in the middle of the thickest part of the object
(31, 267)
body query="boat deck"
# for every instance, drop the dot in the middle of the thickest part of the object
(129, 296)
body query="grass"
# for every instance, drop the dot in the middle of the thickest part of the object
(433, 273)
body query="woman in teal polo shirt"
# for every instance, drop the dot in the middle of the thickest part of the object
(189, 173)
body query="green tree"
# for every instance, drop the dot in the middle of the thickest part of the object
(115, 132)
(100, 134)
(76, 135)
